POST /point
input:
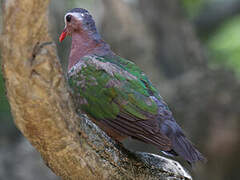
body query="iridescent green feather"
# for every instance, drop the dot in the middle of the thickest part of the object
(108, 86)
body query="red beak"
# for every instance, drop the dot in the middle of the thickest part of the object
(63, 35)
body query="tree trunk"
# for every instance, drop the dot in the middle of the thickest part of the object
(72, 146)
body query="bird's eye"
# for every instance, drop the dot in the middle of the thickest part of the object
(68, 18)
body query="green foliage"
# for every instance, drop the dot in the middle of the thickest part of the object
(193, 7)
(224, 45)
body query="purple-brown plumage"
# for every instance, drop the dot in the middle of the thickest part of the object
(117, 94)
(85, 38)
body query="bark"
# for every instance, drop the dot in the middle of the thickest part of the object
(72, 146)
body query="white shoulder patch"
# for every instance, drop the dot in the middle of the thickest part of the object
(108, 67)
(76, 68)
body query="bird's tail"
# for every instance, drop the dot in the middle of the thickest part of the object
(181, 145)
(184, 148)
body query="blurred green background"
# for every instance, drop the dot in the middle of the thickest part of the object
(190, 50)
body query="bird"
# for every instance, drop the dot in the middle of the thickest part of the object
(116, 94)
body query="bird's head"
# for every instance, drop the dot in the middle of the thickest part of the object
(78, 20)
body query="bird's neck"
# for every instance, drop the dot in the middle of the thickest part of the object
(86, 44)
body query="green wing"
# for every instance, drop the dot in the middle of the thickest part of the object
(116, 92)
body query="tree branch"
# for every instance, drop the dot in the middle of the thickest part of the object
(72, 146)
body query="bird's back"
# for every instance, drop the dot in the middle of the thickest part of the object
(119, 96)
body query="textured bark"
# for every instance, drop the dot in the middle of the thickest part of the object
(72, 146)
